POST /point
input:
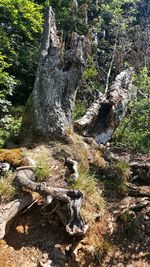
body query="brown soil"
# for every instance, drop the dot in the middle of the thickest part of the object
(31, 235)
(35, 238)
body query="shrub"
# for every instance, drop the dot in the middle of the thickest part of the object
(79, 111)
(9, 127)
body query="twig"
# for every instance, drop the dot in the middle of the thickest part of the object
(35, 201)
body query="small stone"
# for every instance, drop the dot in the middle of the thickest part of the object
(26, 174)
(31, 161)
(58, 255)
(33, 258)
(4, 167)
(45, 256)
(48, 263)
(43, 224)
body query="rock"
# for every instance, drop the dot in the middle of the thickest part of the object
(45, 257)
(4, 167)
(48, 263)
(58, 255)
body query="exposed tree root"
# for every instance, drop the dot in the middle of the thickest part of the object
(138, 191)
(10, 210)
(73, 222)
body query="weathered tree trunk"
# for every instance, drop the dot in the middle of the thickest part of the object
(10, 210)
(72, 199)
(102, 118)
(49, 109)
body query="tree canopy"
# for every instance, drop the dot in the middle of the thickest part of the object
(119, 31)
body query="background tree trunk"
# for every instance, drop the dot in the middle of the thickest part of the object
(48, 112)
(104, 115)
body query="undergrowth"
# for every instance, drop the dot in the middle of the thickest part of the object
(79, 111)
(92, 210)
(93, 200)
(7, 189)
(43, 162)
(10, 124)
(42, 169)
(117, 177)
(131, 224)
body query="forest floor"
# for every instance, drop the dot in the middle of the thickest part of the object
(35, 240)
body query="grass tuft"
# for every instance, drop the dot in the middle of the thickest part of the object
(42, 169)
(7, 189)
(93, 199)
(117, 177)
(43, 161)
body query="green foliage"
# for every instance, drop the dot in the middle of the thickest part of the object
(7, 83)
(21, 27)
(11, 126)
(79, 110)
(134, 129)
(90, 69)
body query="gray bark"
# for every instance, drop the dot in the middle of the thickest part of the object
(102, 118)
(72, 199)
(49, 110)
(10, 210)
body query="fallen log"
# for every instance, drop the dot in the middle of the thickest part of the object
(10, 210)
(102, 118)
(91, 114)
(73, 222)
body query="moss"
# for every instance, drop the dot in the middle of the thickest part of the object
(12, 156)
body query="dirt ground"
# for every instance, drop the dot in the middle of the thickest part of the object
(35, 240)
(32, 239)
